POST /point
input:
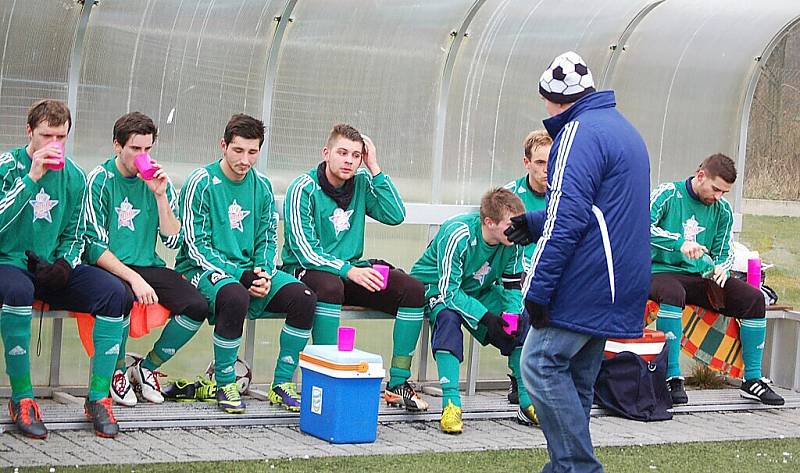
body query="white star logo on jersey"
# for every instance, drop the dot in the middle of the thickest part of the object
(340, 220)
(691, 228)
(235, 215)
(125, 215)
(480, 274)
(42, 205)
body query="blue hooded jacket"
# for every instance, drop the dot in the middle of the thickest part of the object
(591, 267)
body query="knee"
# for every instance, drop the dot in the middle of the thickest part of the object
(197, 309)
(672, 294)
(17, 292)
(411, 291)
(231, 309)
(328, 287)
(447, 334)
(117, 300)
(301, 308)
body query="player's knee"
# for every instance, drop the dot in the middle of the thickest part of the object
(447, 334)
(197, 309)
(231, 309)
(302, 306)
(412, 292)
(328, 287)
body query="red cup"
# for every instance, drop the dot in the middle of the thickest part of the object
(60, 156)
(145, 166)
(383, 270)
(512, 320)
(347, 338)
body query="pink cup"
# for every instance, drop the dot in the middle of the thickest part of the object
(512, 320)
(384, 271)
(60, 156)
(145, 166)
(754, 272)
(347, 338)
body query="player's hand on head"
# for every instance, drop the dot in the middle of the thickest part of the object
(367, 278)
(370, 156)
(693, 250)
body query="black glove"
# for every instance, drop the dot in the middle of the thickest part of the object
(518, 231)
(494, 328)
(52, 277)
(248, 277)
(537, 314)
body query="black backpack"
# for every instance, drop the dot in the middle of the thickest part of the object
(630, 387)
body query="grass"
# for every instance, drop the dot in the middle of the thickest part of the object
(776, 239)
(773, 456)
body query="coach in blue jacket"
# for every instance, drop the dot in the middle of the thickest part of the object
(590, 274)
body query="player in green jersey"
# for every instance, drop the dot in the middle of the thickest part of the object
(531, 189)
(42, 219)
(472, 274)
(325, 212)
(690, 236)
(229, 253)
(125, 215)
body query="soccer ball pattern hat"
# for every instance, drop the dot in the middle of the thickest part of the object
(567, 79)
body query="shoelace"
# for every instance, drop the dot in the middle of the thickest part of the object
(25, 407)
(291, 390)
(450, 414)
(231, 392)
(106, 403)
(119, 381)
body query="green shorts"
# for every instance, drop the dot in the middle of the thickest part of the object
(210, 282)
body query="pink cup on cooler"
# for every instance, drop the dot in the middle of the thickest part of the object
(60, 156)
(512, 320)
(384, 271)
(347, 338)
(145, 166)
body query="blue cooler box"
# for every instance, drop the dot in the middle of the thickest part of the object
(340, 392)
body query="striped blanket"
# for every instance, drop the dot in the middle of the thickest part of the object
(708, 337)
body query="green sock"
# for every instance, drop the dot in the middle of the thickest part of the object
(178, 331)
(326, 323)
(407, 326)
(15, 329)
(292, 341)
(670, 322)
(107, 335)
(448, 366)
(752, 333)
(513, 365)
(225, 351)
(126, 326)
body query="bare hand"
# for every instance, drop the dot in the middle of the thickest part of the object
(720, 276)
(367, 278)
(158, 184)
(144, 293)
(371, 156)
(41, 159)
(260, 287)
(693, 250)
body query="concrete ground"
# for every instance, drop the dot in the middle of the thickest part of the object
(266, 432)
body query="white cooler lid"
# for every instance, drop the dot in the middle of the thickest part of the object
(327, 359)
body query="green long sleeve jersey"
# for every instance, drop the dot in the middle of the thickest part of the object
(321, 236)
(122, 217)
(46, 217)
(532, 202)
(228, 226)
(458, 267)
(677, 216)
